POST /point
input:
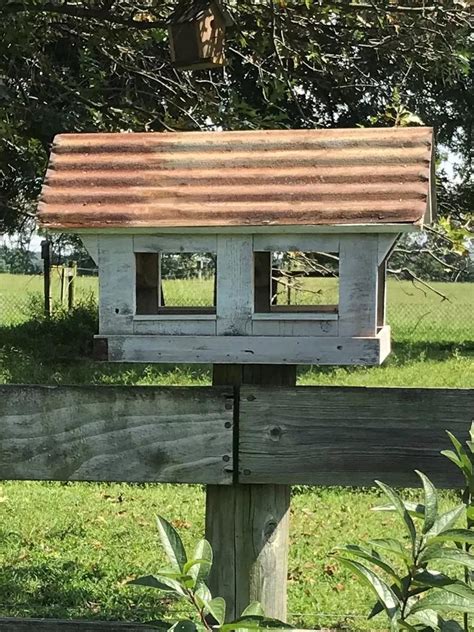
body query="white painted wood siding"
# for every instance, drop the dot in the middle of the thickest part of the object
(175, 243)
(234, 285)
(358, 285)
(116, 284)
(251, 349)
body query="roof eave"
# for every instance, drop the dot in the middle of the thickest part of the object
(275, 229)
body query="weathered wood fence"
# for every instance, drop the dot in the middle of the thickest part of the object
(222, 435)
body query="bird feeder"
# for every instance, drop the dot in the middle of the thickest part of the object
(197, 34)
(243, 198)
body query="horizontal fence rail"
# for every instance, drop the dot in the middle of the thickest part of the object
(116, 433)
(296, 435)
(350, 436)
(219, 435)
(59, 625)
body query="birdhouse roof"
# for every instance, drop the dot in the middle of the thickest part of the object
(252, 180)
(189, 11)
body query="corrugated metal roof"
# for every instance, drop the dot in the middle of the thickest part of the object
(251, 178)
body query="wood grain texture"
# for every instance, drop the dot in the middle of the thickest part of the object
(358, 285)
(281, 326)
(109, 433)
(385, 247)
(248, 526)
(382, 294)
(175, 243)
(234, 286)
(63, 625)
(350, 436)
(296, 243)
(165, 326)
(250, 349)
(116, 284)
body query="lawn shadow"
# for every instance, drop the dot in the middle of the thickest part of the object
(58, 350)
(69, 590)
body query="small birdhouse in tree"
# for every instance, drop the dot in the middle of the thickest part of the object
(197, 34)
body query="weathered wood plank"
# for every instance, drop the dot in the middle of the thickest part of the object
(358, 285)
(251, 349)
(116, 284)
(299, 243)
(281, 326)
(248, 526)
(350, 436)
(175, 243)
(176, 326)
(234, 286)
(382, 294)
(63, 625)
(385, 247)
(113, 433)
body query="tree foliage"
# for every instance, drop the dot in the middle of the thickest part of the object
(86, 65)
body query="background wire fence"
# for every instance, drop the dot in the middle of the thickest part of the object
(415, 313)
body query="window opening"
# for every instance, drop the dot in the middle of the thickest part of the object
(175, 283)
(296, 282)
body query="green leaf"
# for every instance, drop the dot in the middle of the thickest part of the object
(401, 509)
(391, 546)
(254, 608)
(450, 626)
(384, 593)
(466, 463)
(452, 456)
(149, 582)
(254, 622)
(456, 535)
(202, 595)
(172, 544)
(433, 579)
(455, 556)
(161, 583)
(431, 501)
(429, 618)
(446, 521)
(414, 509)
(371, 556)
(183, 626)
(202, 563)
(216, 608)
(443, 601)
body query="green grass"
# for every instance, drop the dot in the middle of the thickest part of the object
(414, 312)
(66, 549)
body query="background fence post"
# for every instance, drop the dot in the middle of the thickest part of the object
(71, 284)
(46, 256)
(248, 525)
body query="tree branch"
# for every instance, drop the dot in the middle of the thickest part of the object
(80, 12)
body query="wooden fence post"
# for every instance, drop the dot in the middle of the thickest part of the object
(46, 256)
(71, 284)
(248, 525)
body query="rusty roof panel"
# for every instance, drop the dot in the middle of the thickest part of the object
(251, 178)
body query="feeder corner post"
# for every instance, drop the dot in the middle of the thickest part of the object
(248, 525)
